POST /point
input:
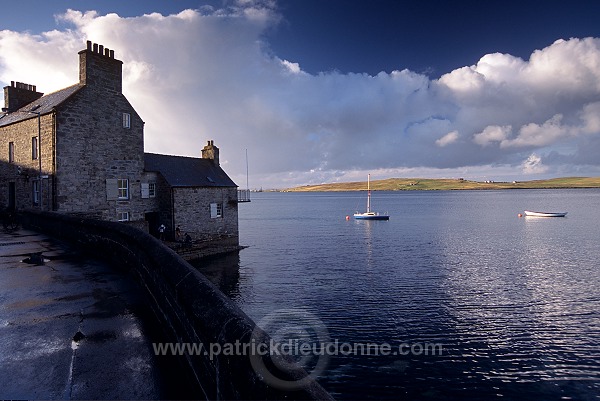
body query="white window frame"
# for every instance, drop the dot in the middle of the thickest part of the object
(11, 152)
(216, 210)
(35, 146)
(123, 188)
(123, 216)
(152, 189)
(126, 120)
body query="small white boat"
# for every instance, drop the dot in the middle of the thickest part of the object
(369, 215)
(545, 214)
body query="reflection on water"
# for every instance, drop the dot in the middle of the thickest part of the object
(223, 271)
(514, 301)
(367, 226)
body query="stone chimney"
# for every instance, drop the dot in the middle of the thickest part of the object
(18, 95)
(210, 151)
(99, 68)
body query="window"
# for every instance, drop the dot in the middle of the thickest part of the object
(148, 190)
(35, 192)
(11, 152)
(34, 148)
(123, 216)
(216, 210)
(126, 120)
(152, 190)
(123, 188)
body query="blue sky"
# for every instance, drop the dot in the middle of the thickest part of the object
(326, 90)
(425, 36)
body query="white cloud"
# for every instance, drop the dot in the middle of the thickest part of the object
(492, 133)
(209, 74)
(590, 117)
(294, 68)
(533, 165)
(539, 135)
(447, 139)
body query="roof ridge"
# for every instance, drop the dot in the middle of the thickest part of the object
(185, 157)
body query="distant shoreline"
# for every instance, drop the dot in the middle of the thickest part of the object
(433, 184)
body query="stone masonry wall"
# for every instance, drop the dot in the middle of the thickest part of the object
(192, 211)
(93, 146)
(25, 170)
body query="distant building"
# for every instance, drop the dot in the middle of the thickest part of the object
(80, 151)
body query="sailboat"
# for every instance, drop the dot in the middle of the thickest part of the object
(369, 215)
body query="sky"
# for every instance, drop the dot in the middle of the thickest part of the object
(329, 90)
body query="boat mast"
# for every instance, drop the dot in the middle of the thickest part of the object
(368, 193)
(247, 184)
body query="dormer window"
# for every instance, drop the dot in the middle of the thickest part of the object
(126, 120)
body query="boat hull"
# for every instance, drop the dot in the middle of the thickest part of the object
(368, 216)
(545, 214)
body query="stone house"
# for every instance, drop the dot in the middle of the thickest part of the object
(80, 151)
(196, 194)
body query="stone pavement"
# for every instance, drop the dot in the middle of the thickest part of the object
(71, 328)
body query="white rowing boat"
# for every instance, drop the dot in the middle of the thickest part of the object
(545, 214)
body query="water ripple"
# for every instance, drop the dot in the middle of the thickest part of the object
(514, 302)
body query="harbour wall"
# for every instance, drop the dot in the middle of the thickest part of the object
(188, 307)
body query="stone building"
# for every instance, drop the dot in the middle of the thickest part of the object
(196, 194)
(80, 151)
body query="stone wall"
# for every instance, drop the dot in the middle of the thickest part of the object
(92, 146)
(188, 307)
(192, 211)
(25, 170)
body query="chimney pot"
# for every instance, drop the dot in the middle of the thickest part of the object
(94, 71)
(89, 45)
(112, 54)
(19, 94)
(211, 152)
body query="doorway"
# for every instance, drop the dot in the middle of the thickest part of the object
(153, 220)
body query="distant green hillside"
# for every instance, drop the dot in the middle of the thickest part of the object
(413, 184)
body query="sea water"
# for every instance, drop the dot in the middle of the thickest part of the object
(514, 302)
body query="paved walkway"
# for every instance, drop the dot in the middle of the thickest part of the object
(70, 328)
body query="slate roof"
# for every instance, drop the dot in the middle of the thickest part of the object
(43, 105)
(180, 171)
